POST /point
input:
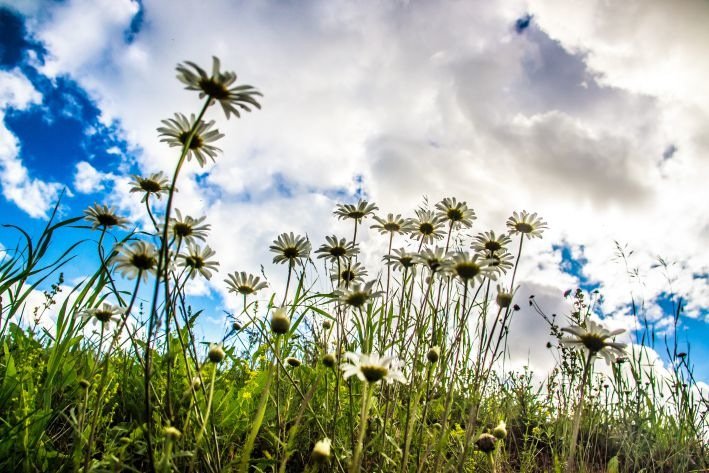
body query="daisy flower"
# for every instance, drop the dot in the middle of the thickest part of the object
(392, 224)
(358, 294)
(489, 243)
(457, 213)
(219, 87)
(526, 224)
(105, 314)
(432, 258)
(372, 368)
(594, 338)
(355, 212)
(244, 284)
(188, 228)
(427, 226)
(289, 248)
(177, 130)
(354, 273)
(197, 261)
(138, 258)
(462, 266)
(334, 249)
(155, 184)
(401, 259)
(500, 261)
(104, 216)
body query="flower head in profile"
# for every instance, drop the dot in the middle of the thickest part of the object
(155, 184)
(357, 295)
(104, 216)
(104, 314)
(489, 243)
(350, 274)
(594, 338)
(467, 268)
(393, 224)
(244, 284)
(434, 258)
(290, 248)
(188, 229)
(335, 249)
(500, 261)
(457, 213)
(372, 368)
(526, 224)
(196, 260)
(426, 227)
(219, 87)
(137, 259)
(178, 130)
(401, 259)
(355, 212)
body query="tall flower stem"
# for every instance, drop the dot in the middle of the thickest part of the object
(163, 266)
(363, 417)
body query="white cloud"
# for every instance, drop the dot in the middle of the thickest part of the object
(87, 179)
(569, 119)
(32, 195)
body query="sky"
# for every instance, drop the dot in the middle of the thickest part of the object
(594, 114)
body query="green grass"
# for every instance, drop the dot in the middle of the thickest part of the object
(142, 393)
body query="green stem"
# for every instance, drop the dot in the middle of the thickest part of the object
(364, 415)
(163, 266)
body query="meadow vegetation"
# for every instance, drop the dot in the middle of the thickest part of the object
(397, 368)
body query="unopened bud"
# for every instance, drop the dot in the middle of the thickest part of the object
(216, 353)
(280, 323)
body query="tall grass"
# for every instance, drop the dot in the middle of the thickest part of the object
(397, 372)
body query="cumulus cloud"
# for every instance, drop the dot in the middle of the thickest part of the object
(32, 195)
(569, 118)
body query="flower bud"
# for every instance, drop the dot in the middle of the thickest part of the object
(280, 323)
(500, 432)
(329, 360)
(433, 354)
(294, 362)
(84, 383)
(172, 433)
(321, 450)
(216, 353)
(486, 443)
(236, 326)
(326, 325)
(503, 299)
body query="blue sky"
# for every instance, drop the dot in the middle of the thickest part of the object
(507, 106)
